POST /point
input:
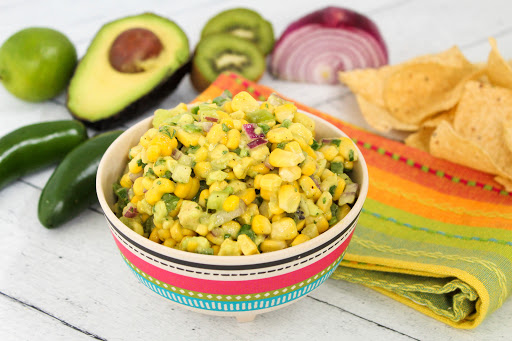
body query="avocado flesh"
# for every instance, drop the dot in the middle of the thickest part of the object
(100, 96)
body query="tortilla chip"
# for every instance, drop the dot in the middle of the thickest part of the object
(420, 139)
(434, 121)
(379, 118)
(480, 116)
(453, 57)
(447, 144)
(507, 134)
(418, 91)
(367, 83)
(498, 70)
(505, 182)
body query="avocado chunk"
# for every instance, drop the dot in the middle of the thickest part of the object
(131, 64)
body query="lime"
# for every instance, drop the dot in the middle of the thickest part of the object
(36, 63)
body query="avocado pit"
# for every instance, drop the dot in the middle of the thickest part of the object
(131, 48)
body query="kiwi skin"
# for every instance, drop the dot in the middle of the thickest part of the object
(200, 82)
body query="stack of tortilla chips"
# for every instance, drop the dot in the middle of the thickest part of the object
(454, 109)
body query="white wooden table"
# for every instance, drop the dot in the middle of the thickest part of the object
(56, 284)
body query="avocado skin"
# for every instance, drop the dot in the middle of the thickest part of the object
(146, 102)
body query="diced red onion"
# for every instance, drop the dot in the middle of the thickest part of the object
(131, 212)
(316, 47)
(349, 194)
(267, 164)
(211, 119)
(315, 181)
(249, 129)
(176, 154)
(326, 141)
(135, 176)
(255, 143)
(207, 126)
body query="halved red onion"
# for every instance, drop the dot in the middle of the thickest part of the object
(257, 142)
(250, 128)
(316, 47)
(131, 212)
(211, 119)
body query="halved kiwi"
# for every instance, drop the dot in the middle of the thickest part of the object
(243, 23)
(224, 52)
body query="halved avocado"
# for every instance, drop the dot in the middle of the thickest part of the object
(131, 64)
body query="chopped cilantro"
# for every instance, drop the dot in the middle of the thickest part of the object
(150, 172)
(337, 167)
(202, 186)
(122, 197)
(224, 152)
(167, 175)
(286, 123)
(160, 162)
(140, 163)
(351, 155)
(227, 235)
(315, 145)
(225, 127)
(165, 130)
(336, 142)
(193, 149)
(171, 201)
(149, 225)
(246, 229)
(324, 200)
(237, 151)
(194, 110)
(281, 145)
(332, 189)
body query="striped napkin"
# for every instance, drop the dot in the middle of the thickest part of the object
(432, 234)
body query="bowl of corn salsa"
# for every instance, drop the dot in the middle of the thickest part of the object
(233, 206)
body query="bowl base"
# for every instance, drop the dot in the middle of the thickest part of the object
(241, 318)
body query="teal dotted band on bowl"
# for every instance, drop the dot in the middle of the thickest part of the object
(243, 302)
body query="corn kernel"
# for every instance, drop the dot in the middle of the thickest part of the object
(269, 245)
(257, 181)
(278, 135)
(270, 182)
(176, 232)
(233, 139)
(175, 212)
(169, 242)
(282, 158)
(290, 174)
(304, 120)
(330, 151)
(134, 167)
(266, 194)
(289, 198)
(153, 195)
(164, 234)
(125, 181)
(147, 182)
(260, 168)
(261, 225)
(322, 224)
(340, 187)
(188, 232)
(164, 185)
(154, 236)
(309, 187)
(247, 246)
(202, 169)
(188, 139)
(205, 193)
(231, 203)
(244, 101)
(301, 238)
(285, 112)
(308, 166)
(347, 149)
(284, 229)
(136, 198)
(231, 227)
(182, 190)
(215, 134)
(248, 195)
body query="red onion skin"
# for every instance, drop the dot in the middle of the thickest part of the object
(337, 17)
(211, 119)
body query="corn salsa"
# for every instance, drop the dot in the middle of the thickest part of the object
(235, 176)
